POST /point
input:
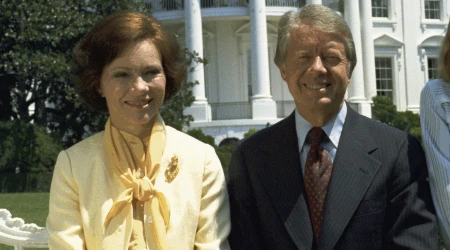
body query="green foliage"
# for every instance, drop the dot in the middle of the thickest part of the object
(26, 147)
(37, 38)
(224, 153)
(25, 182)
(250, 132)
(385, 111)
(193, 58)
(172, 109)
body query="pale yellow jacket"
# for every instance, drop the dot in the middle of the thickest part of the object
(82, 193)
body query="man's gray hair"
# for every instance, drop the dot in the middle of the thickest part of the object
(320, 18)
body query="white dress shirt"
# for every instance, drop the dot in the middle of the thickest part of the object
(435, 123)
(332, 129)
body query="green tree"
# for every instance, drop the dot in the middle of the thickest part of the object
(26, 147)
(172, 109)
(384, 110)
(250, 132)
(36, 42)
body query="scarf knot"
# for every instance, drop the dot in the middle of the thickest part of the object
(156, 206)
(143, 189)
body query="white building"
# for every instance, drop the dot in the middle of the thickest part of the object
(397, 44)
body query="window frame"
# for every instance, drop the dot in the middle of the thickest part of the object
(444, 14)
(427, 52)
(391, 13)
(396, 53)
(389, 8)
(392, 72)
(424, 11)
(435, 69)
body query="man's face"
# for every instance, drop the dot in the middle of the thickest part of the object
(316, 71)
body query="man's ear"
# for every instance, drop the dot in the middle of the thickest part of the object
(282, 68)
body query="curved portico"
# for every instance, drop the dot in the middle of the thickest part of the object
(241, 88)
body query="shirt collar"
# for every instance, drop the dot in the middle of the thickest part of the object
(333, 128)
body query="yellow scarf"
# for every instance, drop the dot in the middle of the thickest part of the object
(140, 185)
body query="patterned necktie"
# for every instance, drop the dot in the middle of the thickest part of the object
(318, 169)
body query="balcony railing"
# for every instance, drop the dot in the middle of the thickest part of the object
(243, 110)
(231, 110)
(285, 3)
(170, 5)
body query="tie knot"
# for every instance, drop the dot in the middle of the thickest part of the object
(316, 135)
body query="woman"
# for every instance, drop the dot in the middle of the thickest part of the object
(138, 184)
(435, 122)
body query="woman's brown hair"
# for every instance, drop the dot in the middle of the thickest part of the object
(108, 38)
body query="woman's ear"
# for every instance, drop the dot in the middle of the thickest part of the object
(100, 90)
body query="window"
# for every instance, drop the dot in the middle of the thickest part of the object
(380, 8)
(383, 69)
(432, 9)
(332, 4)
(432, 64)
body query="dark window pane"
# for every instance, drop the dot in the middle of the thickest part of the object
(384, 80)
(380, 8)
(432, 64)
(432, 9)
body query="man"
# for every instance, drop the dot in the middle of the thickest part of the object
(350, 183)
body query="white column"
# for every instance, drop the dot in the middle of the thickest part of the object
(314, 2)
(263, 106)
(407, 93)
(356, 93)
(368, 57)
(200, 109)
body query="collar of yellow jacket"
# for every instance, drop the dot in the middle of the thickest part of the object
(139, 183)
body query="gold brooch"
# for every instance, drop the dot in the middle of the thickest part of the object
(172, 170)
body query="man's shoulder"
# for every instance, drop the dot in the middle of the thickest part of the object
(379, 130)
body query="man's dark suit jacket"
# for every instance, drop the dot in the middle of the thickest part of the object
(378, 196)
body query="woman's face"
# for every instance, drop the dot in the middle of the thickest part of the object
(134, 84)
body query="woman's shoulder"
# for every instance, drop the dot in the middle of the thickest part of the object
(174, 134)
(80, 155)
(89, 144)
(437, 86)
(435, 92)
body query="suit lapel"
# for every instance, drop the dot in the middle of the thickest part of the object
(353, 172)
(280, 172)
